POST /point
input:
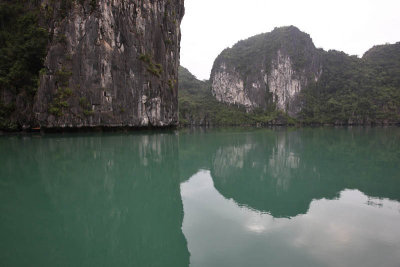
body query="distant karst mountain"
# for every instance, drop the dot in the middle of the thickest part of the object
(197, 106)
(280, 77)
(267, 69)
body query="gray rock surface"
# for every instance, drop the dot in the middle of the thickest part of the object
(267, 71)
(111, 64)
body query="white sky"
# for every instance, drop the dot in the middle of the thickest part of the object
(352, 26)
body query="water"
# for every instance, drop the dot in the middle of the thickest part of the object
(225, 197)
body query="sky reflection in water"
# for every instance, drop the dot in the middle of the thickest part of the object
(204, 197)
(351, 230)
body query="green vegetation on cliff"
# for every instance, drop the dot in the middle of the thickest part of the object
(350, 90)
(197, 106)
(261, 49)
(335, 88)
(22, 51)
(356, 91)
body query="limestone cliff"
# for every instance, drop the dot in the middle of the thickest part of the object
(110, 63)
(199, 107)
(267, 71)
(282, 71)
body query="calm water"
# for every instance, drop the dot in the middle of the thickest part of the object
(226, 197)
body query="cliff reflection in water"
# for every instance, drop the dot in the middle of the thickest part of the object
(346, 231)
(123, 199)
(282, 171)
(302, 197)
(106, 200)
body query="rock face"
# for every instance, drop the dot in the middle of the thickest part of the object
(280, 78)
(267, 71)
(111, 63)
(283, 83)
(228, 87)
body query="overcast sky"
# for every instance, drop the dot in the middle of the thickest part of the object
(352, 26)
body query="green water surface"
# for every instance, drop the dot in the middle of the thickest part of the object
(219, 197)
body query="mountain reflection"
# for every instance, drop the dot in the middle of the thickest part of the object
(116, 199)
(109, 200)
(281, 171)
(340, 232)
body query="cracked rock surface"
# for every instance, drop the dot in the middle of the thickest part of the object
(112, 64)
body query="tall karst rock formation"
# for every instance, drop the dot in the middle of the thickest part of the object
(110, 64)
